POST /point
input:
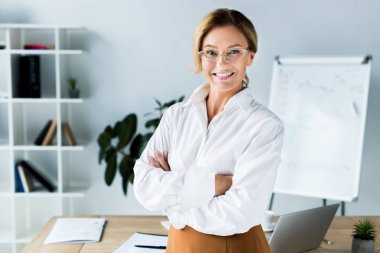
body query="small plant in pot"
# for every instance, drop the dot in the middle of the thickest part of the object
(364, 235)
(73, 91)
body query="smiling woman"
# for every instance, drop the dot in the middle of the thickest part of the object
(212, 162)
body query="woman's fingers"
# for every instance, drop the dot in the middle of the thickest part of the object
(161, 159)
(222, 184)
(166, 153)
(153, 162)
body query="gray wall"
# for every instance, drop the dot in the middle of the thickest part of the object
(140, 50)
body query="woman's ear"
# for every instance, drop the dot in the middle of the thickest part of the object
(250, 58)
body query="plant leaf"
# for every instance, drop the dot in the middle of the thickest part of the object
(101, 155)
(104, 140)
(131, 178)
(181, 99)
(125, 165)
(109, 130)
(111, 159)
(127, 130)
(125, 185)
(127, 178)
(138, 144)
(170, 103)
(153, 123)
(158, 102)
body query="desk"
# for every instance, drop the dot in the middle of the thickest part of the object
(119, 228)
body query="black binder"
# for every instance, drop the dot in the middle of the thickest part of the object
(29, 77)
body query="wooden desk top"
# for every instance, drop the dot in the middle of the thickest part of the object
(120, 228)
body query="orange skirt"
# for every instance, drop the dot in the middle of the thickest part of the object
(189, 240)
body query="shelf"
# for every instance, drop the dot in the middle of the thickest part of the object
(47, 148)
(74, 191)
(23, 119)
(41, 52)
(36, 195)
(34, 100)
(43, 100)
(72, 148)
(35, 148)
(71, 100)
(39, 26)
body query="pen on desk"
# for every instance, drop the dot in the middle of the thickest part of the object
(150, 247)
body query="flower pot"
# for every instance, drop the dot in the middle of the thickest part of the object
(73, 93)
(362, 246)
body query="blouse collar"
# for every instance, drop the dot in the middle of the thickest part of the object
(242, 99)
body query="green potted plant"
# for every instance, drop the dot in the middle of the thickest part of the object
(114, 141)
(73, 90)
(364, 235)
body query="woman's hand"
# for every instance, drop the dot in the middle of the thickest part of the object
(159, 161)
(222, 184)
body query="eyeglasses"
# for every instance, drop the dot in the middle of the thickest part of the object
(230, 55)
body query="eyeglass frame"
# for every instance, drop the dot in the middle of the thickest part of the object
(223, 52)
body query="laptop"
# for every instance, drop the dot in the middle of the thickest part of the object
(301, 231)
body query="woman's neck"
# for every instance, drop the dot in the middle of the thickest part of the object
(216, 100)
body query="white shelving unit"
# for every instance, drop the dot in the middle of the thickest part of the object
(21, 120)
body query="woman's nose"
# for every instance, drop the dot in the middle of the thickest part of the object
(221, 60)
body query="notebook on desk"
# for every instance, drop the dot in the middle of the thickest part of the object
(76, 230)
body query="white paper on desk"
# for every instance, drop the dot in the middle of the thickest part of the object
(142, 239)
(76, 230)
(166, 224)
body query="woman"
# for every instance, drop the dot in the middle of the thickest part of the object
(212, 162)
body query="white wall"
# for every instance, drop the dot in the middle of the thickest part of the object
(138, 50)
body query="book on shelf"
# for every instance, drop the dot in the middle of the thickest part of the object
(37, 175)
(50, 133)
(39, 46)
(29, 85)
(43, 133)
(26, 179)
(68, 133)
(19, 186)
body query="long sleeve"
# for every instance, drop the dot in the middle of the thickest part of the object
(244, 204)
(156, 189)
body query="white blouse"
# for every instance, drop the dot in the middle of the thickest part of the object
(243, 140)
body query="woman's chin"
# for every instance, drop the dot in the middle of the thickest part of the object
(225, 86)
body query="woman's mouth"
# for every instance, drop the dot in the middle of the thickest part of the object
(224, 75)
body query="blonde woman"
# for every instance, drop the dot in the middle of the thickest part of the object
(212, 162)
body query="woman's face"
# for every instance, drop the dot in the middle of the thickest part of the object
(222, 75)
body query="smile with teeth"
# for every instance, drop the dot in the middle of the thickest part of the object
(226, 74)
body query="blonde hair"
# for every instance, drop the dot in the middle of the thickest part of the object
(219, 18)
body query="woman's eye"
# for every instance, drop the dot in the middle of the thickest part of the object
(234, 52)
(211, 52)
